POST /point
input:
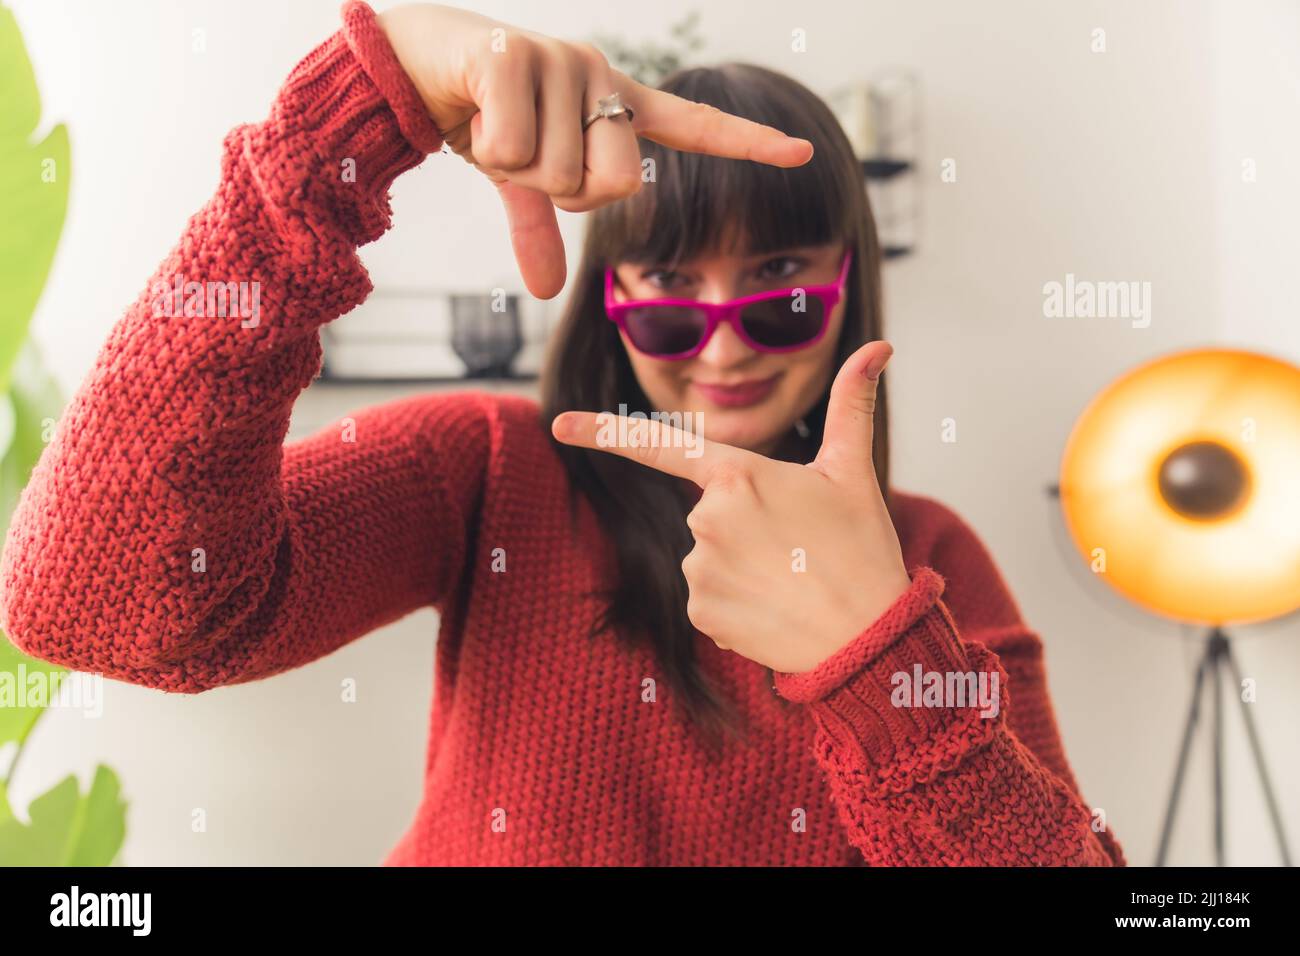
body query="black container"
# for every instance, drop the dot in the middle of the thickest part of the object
(485, 338)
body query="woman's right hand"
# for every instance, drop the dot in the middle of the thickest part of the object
(512, 103)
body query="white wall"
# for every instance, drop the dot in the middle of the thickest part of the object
(1117, 165)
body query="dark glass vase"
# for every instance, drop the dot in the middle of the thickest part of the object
(486, 339)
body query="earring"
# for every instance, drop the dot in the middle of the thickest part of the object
(801, 427)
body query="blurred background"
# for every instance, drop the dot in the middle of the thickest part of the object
(1151, 143)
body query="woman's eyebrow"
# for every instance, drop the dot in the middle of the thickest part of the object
(643, 267)
(749, 260)
(792, 251)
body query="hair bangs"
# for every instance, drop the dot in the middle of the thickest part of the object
(693, 204)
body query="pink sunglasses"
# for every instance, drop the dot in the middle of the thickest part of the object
(782, 320)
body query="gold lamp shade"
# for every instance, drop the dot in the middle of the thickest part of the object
(1181, 486)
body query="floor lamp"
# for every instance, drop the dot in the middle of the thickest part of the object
(1179, 487)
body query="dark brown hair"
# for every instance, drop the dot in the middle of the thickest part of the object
(693, 204)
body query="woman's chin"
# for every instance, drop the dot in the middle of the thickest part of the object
(748, 431)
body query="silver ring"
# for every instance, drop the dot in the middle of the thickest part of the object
(607, 107)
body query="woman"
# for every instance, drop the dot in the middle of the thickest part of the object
(711, 639)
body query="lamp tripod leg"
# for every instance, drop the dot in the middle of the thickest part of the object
(1193, 714)
(1274, 813)
(1216, 651)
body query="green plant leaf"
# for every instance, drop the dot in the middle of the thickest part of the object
(16, 718)
(66, 828)
(34, 180)
(27, 413)
(33, 402)
(103, 822)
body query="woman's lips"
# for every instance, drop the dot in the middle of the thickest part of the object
(740, 394)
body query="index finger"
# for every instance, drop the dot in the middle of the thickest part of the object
(700, 128)
(650, 442)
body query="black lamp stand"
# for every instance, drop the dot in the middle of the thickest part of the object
(1217, 658)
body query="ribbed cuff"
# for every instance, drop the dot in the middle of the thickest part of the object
(835, 671)
(372, 50)
(867, 700)
(347, 122)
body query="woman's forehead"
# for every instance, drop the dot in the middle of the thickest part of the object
(736, 256)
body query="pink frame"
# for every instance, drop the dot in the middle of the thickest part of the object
(718, 312)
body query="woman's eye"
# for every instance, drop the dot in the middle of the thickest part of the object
(782, 267)
(661, 278)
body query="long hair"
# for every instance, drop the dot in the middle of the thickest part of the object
(688, 205)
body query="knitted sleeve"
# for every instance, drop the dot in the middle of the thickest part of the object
(940, 746)
(167, 536)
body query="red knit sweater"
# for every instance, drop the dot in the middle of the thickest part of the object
(175, 442)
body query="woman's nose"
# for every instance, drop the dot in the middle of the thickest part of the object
(725, 348)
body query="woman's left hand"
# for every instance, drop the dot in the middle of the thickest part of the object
(791, 562)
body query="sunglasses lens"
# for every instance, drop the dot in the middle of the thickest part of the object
(785, 321)
(665, 329)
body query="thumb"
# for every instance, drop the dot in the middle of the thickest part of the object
(535, 237)
(851, 415)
